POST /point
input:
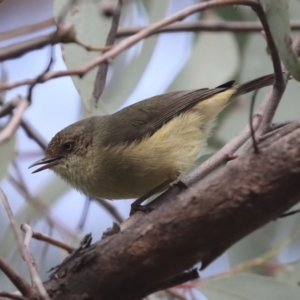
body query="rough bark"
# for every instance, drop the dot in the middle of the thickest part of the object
(198, 225)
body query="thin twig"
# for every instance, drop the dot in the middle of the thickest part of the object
(38, 78)
(103, 67)
(18, 49)
(13, 224)
(33, 134)
(27, 256)
(252, 131)
(35, 278)
(42, 207)
(84, 214)
(279, 82)
(45, 249)
(14, 122)
(8, 107)
(111, 209)
(12, 296)
(26, 29)
(212, 26)
(15, 278)
(66, 35)
(48, 239)
(280, 78)
(20, 176)
(125, 44)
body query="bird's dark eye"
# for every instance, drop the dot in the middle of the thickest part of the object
(68, 146)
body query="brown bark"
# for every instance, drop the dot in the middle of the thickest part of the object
(198, 225)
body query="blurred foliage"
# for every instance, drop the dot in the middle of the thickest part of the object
(277, 12)
(90, 25)
(249, 286)
(213, 58)
(7, 153)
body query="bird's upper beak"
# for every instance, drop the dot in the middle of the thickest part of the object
(47, 162)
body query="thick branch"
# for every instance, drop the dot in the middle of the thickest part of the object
(197, 226)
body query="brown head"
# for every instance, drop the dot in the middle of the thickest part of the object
(68, 149)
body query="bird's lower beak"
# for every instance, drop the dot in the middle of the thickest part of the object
(47, 162)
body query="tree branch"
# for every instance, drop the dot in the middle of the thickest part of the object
(125, 44)
(12, 296)
(212, 26)
(50, 240)
(199, 225)
(110, 209)
(35, 278)
(14, 122)
(66, 34)
(26, 29)
(15, 278)
(19, 49)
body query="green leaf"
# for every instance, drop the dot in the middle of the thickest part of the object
(7, 152)
(91, 27)
(126, 76)
(277, 12)
(3, 79)
(293, 275)
(249, 287)
(255, 62)
(209, 64)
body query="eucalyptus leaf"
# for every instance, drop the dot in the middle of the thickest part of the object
(213, 60)
(256, 62)
(277, 13)
(91, 27)
(126, 75)
(7, 152)
(249, 287)
(293, 273)
(3, 79)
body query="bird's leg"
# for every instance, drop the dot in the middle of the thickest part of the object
(136, 205)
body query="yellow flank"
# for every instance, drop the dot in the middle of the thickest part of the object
(166, 155)
(213, 105)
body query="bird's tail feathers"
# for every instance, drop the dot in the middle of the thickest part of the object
(255, 84)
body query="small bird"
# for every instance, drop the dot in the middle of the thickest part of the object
(144, 147)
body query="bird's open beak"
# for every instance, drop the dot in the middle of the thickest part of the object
(47, 162)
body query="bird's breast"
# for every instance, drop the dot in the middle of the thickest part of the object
(131, 170)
